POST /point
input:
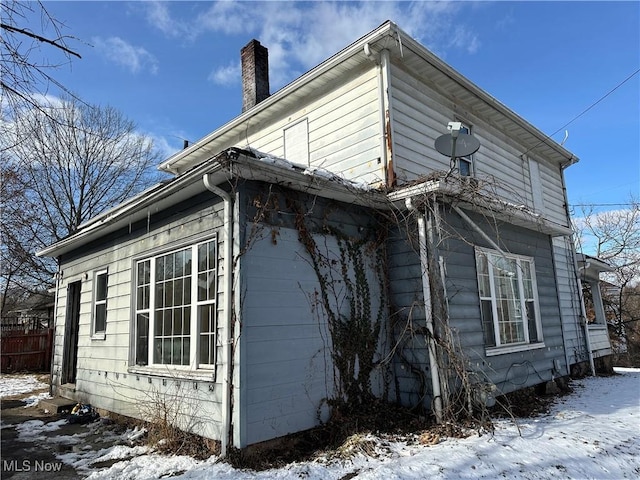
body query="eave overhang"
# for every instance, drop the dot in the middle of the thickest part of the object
(591, 267)
(404, 51)
(222, 168)
(464, 193)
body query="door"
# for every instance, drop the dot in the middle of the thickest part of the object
(71, 325)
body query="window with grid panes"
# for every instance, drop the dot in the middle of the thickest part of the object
(175, 318)
(508, 299)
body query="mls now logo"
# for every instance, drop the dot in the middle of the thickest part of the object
(31, 466)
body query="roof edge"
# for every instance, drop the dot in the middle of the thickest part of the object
(387, 28)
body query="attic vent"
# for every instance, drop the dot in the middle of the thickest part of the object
(255, 74)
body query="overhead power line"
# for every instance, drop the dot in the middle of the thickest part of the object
(585, 110)
(601, 204)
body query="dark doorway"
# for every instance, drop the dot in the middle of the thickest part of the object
(71, 325)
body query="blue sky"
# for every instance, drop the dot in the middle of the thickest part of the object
(173, 67)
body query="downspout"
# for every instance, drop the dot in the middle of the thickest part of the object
(567, 358)
(385, 67)
(585, 324)
(384, 109)
(228, 317)
(583, 311)
(428, 311)
(58, 276)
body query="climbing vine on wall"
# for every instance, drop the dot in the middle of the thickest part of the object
(353, 311)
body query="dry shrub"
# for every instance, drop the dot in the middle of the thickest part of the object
(526, 402)
(171, 417)
(359, 444)
(349, 431)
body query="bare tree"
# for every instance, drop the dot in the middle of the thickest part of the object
(29, 57)
(62, 165)
(22, 272)
(614, 236)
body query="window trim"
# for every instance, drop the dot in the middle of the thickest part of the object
(95, 303)
(194, 369)
(527, 344)
(469, 158)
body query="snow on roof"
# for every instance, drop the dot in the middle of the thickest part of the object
(311, 171)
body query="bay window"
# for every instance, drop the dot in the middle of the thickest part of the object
(175, 316)
(508, 299)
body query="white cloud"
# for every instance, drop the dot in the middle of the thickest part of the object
(226, 75)
(163, 146)
(159, 16)
(464, 40)
(300, 35)
(230, 17)
(122, 53)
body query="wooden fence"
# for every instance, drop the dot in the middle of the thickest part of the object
(28, 351)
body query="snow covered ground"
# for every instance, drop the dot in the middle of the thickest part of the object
(17, 384)
(591, 434)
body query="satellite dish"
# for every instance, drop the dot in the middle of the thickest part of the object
(465, 145)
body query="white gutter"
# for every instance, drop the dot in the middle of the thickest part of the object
(228, 316)
(498, 208)
(428, 312)
(386, 29)
(125, 212)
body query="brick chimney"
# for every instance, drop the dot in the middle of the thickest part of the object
(255, 74)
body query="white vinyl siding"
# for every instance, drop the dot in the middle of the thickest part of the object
(421, 115)
(296, 143)
(465, 164)
(343, 130)
(536, 186)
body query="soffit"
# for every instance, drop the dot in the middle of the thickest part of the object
(404, 51)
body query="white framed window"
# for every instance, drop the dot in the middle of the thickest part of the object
(99, 320)
(508, 300)
(175, 314)
(465, 164)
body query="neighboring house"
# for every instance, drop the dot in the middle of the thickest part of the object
(35, 312)
(590, 269)
(318, 247)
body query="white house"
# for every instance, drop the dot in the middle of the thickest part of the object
(318, 247)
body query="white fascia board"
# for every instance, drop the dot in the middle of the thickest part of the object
(378, 39)
(499, 209)
(296, 179)
(137, 208)
(226, 165)
(176, 162)
(593, 264)
(568, 158)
